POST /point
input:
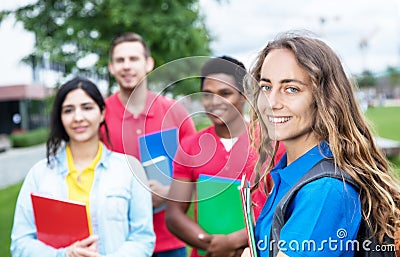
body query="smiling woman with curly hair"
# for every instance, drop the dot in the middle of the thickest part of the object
(304, 99)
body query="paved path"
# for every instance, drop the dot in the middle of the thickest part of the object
(16, 162)
(390, 147)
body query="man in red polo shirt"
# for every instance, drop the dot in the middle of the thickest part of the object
(134, 111)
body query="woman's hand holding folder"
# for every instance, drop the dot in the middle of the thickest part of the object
(84, 248)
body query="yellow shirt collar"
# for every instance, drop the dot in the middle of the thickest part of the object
(92, 165)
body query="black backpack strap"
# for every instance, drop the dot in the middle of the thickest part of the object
(324, 168)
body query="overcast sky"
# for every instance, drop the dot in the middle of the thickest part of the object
(242, 28)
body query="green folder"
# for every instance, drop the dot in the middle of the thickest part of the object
(219, 208)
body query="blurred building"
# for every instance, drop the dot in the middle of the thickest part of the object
(23, 107)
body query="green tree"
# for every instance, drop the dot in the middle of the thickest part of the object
(394, 76)
(69, 30)
(366, 79)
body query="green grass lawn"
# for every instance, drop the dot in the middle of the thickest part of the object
(8, 197)
(385, 120)
(386, 123)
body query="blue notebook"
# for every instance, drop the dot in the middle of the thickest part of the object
(158, 169)
(161, 143)
(157, 150)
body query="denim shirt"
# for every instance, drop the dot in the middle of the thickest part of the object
(120, 204)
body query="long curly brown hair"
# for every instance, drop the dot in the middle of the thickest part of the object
(338, 121)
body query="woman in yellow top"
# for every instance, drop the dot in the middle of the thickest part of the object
(78, 167)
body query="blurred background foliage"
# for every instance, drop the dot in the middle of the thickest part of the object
(67, 31)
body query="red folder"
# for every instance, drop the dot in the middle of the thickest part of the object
(59, 223)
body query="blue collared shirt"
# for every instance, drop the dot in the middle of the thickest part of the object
(323, 218)
(121, 209)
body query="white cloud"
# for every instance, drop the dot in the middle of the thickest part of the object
(15, 44)
(244, 27)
